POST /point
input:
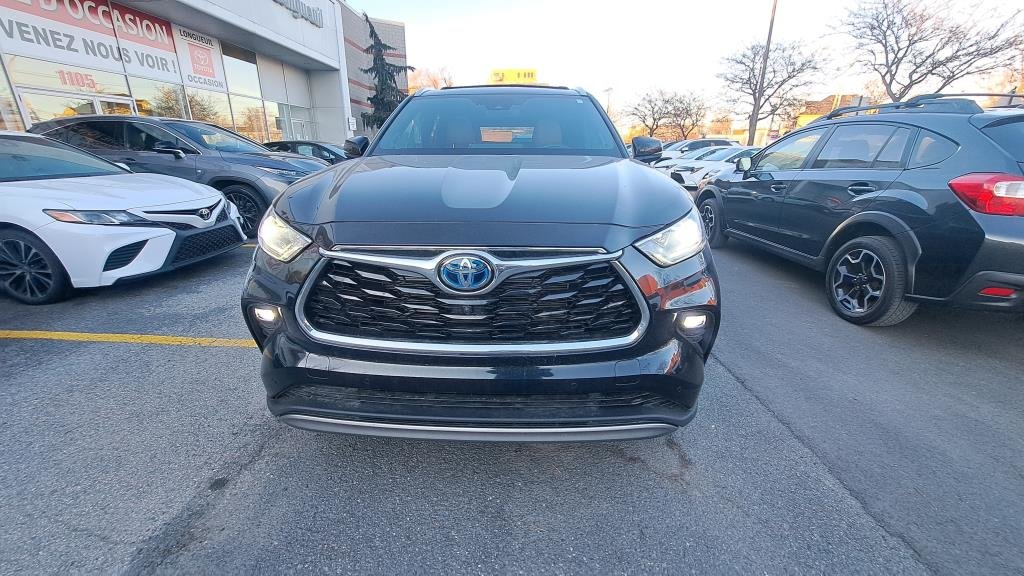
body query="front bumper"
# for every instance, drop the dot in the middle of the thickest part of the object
(645, 389)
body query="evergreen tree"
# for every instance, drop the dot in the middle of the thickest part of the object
(387, 95)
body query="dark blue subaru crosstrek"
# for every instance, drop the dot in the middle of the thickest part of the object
(493, 266)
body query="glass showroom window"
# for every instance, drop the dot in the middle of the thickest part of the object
(277, 124)
(9, 117)
(240, 71)
(154, 98)
(250, 120)
(209, 106)
(34, 73)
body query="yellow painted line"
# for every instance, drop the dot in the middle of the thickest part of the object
(127, 338)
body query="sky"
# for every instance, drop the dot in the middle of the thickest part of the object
(629, 46)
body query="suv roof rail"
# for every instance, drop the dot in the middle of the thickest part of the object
(505, 86)
(959, 103)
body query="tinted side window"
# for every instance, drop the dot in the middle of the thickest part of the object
(790, 152)
(142, 137)
(98, 135)
(853, 146)
(323, 153)
(931, 149)
(891, 155)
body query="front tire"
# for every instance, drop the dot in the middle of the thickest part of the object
(29, 271)
(866, 282)
(250, 206)
(711, 215)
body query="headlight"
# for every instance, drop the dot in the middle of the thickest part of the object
(676, 243)
(101, 217)
(279, 240)
(283, 172)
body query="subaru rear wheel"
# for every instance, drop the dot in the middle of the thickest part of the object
(866, 282)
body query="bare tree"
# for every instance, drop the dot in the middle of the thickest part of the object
(913, 42)
(687, 113)
(789, 70)
(430, 78)
(653, 110)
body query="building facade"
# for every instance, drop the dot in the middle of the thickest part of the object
(268, 69)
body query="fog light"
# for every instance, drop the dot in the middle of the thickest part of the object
(998, 292)
(266, 314)
(693, 321)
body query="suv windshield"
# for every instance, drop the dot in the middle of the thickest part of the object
(33, 158)
(214, 138)
(537, 124)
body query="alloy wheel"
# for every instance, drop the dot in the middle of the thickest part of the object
(707, 214)
(858, 281)
(247, 208)
(24, 270)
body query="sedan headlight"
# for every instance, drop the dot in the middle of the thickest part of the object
(100, 217)
(279, 240)
(680, 241)
(283, 172)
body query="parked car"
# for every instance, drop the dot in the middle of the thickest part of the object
(687, 145)
(668, 164)
(922, 201)
(560, 290)
(690, 173)
(326, 151)
(69, 219)
(248, 174)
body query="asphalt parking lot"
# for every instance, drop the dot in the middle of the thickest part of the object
(821, 447)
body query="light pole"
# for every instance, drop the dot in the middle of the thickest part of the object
(608, 100)
(752, 126)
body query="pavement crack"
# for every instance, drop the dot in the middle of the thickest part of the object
(877, 520)
(180, 531)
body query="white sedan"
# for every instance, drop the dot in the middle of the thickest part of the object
(69, 219)
(666, 165)
(690, 173)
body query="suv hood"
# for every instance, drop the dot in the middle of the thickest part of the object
(430, 189)
(282, 160)
(113, 192)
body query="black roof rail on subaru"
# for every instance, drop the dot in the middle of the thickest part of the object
(958, 103)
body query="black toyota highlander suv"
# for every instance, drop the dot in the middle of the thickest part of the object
(493, 266)
(918, 201)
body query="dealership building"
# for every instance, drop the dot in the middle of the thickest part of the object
(269, 69)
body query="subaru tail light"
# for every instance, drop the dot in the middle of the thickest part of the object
(991, 193)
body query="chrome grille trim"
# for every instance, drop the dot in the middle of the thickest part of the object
(427, 266)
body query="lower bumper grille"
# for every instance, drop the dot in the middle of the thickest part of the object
(203, 243)
(570, 303)
(340, 397)
(123, 256)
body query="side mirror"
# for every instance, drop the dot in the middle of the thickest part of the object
(164, 147)
(743, 164)
(356, 146)
(123, 165)
(644, 146)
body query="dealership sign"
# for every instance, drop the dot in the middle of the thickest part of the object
(300, 9)
(92, 34)
(200, 59)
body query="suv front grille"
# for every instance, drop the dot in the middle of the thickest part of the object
(571, 303)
